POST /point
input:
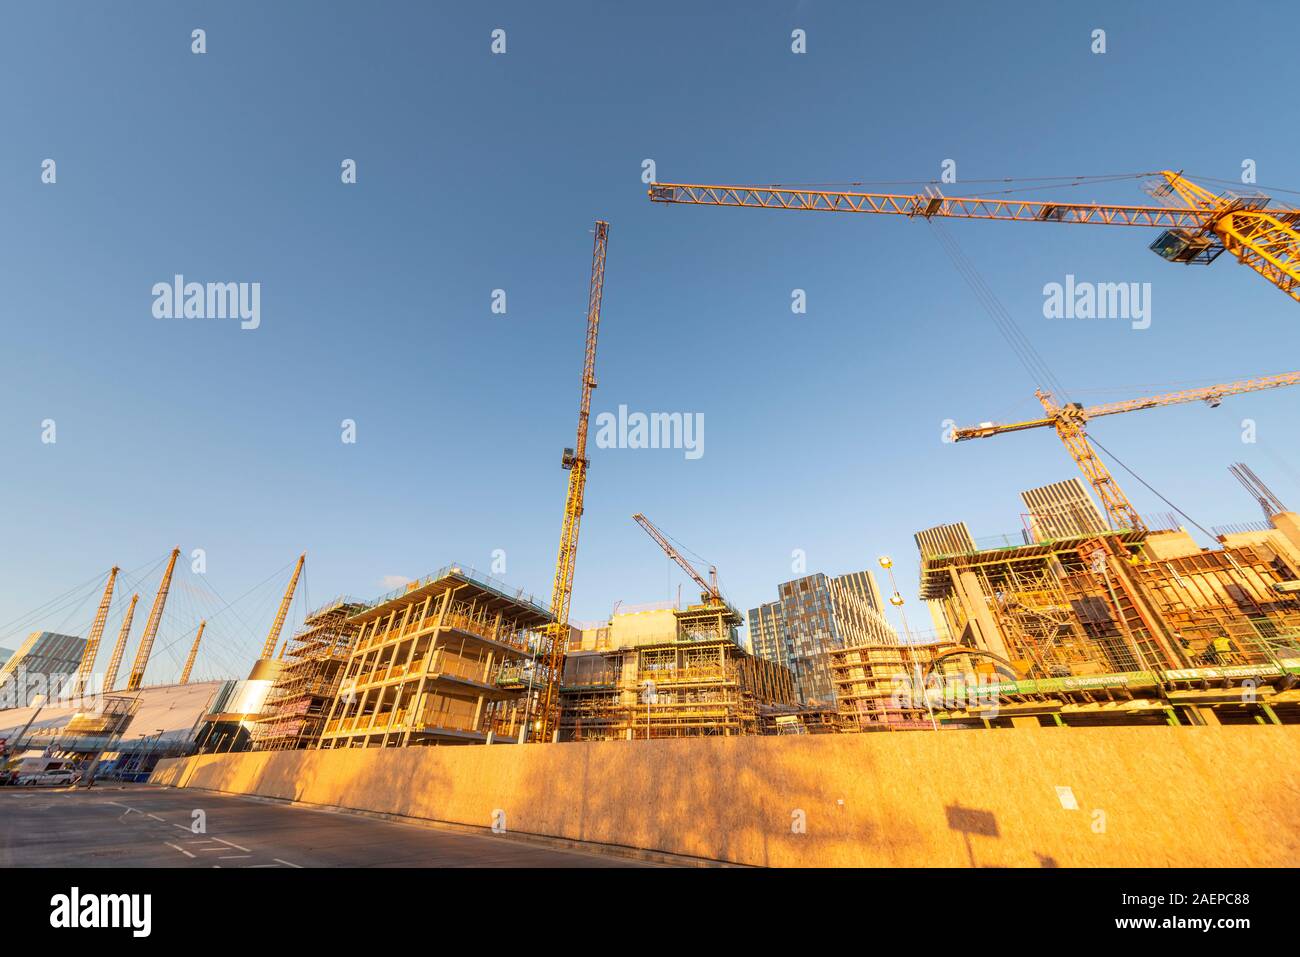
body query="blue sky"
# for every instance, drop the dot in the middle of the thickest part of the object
(478, 172)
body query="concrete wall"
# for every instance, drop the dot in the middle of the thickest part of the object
(1189, 797)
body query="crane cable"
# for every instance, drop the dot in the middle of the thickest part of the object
(1029, 357)
(1040, 373)
(1118, 462)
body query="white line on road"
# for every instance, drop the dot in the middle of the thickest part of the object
(234, 845)
(286, 863)
(179, 848)
(157, 818)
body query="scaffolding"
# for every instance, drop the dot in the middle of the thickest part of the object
(876, 686)
(1120, 627)
(442, 661)
(678, 689)
(296, 707)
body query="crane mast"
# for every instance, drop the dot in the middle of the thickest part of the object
(709, 593)
(1267, 239)
(575, 461)
(151, 626)
(91, 650)
(1070, 422)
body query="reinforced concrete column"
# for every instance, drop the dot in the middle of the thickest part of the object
(987, 632)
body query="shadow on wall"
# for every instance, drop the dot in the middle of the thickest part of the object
(945, 799)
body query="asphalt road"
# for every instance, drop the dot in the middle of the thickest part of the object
(144, 826)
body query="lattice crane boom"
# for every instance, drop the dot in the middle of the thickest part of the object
(1070, 423)
(708, 589)
(576, 462)
(1265, 238)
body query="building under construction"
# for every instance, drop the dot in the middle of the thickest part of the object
(874, 685)
(668, 673)
(427, 662)
(309, 678)
(1120, 626)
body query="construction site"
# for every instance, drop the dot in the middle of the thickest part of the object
(1088, 616)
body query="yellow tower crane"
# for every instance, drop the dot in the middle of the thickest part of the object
(709, 593)
(151, 626)
(91, 650)
(575, 461)
(1070, 422)
(1198, 224)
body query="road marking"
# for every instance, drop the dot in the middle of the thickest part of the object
(157, 818)
(181, 826)
(234, 845)
(179, 848)
(286, 863)
(236, 857)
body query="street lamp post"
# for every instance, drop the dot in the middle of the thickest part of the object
(896, 599)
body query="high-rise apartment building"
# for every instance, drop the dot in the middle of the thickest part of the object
(813, 616)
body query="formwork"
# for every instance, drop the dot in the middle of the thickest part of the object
(437, 662)
(875, 684)
(670, 690)
(304, 688)
(1095, 629)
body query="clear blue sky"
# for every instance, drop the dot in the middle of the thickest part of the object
(479, 172)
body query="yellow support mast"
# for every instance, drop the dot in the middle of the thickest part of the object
(91, 650)
(114, 663)
(575, 461)
(273, 637)
(151, 626)
(194, 653)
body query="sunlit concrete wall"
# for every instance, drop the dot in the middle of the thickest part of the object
(1189, 797)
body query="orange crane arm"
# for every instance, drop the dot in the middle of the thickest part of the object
(926, 205)
(575, 460)
(1211, 394)
(709, 589)
(1265, 238)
